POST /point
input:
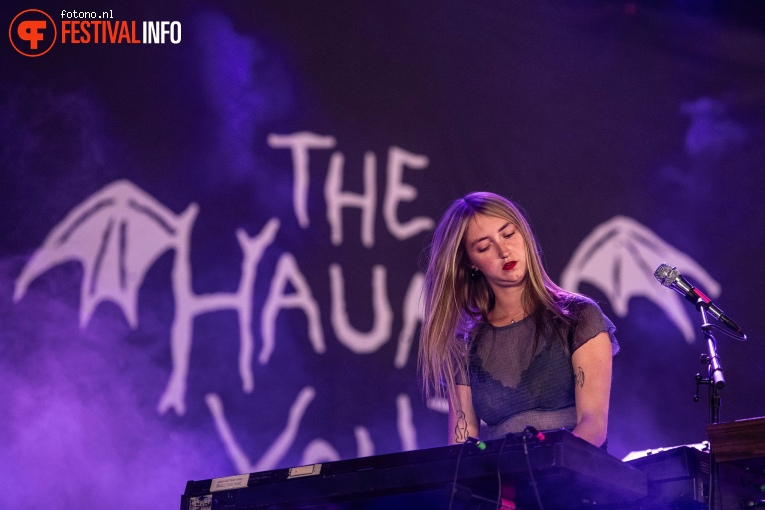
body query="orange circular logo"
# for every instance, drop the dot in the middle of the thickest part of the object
(32, 33)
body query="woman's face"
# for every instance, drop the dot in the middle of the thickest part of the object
(496, 248)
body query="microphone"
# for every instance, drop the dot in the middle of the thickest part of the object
(671, 277)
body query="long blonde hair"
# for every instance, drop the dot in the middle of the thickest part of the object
(457, 301)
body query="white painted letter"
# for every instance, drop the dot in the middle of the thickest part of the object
(336, 199)
(300, 143)
(397, 192)
(406, 429)
(280, 446)
(287, 271)
(361, 343)
(413, 314)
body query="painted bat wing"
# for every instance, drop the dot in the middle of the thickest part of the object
(116, 234)
(620, 256)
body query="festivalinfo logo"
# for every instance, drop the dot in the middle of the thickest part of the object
(34, 32)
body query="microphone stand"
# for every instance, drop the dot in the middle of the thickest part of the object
(716, 381)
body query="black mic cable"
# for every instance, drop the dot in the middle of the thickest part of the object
(470, 440)
(456, 472)
(499, 473)
(530, 431)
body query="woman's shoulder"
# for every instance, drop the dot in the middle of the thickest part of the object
(574, 304)
(587, 320)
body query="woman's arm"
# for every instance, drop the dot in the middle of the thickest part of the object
(592, 369)
(462, 420)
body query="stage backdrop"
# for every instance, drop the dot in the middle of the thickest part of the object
(214, 216)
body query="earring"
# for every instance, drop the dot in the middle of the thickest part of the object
(474, 272)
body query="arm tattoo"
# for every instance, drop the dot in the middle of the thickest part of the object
(461, 430)
(580, 378)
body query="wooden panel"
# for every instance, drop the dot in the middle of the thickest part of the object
(738, 440)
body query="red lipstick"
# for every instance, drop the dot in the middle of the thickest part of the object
(509, 265)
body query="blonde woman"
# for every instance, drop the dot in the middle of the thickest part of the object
(500, 340)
